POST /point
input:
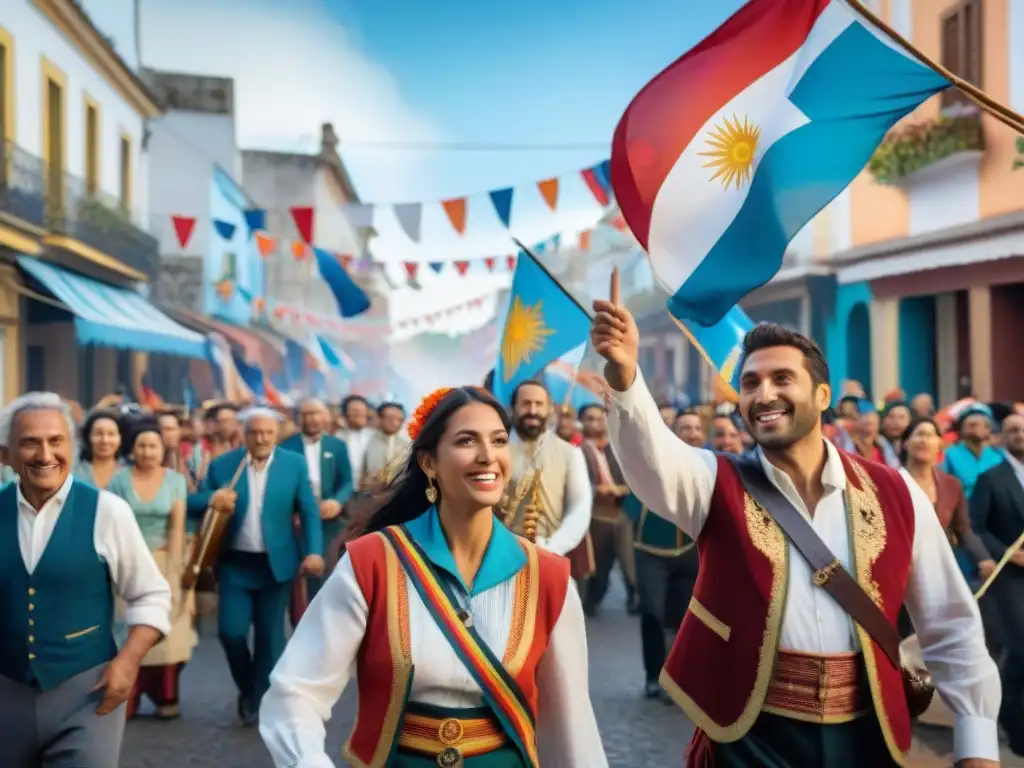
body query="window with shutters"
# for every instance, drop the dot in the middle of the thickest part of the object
(962, 36)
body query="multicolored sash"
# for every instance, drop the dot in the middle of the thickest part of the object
(499, 688)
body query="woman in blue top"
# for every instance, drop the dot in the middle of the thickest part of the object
(157, 495)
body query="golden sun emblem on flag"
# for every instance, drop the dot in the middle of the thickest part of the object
(525, 335)
(732, 150)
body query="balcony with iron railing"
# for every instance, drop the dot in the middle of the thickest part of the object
(62, 204)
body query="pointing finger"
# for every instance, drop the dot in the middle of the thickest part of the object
(613, 294)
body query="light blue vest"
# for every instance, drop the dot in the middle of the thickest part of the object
(57, 621)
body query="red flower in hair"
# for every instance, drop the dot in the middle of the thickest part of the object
(423, 411)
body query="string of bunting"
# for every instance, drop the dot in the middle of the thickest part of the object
(597, 179)
(409, 216)
(289, 314)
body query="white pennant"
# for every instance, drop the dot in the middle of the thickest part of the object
(410, 216)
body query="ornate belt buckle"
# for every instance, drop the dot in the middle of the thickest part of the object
(450, 757)
(450, 732)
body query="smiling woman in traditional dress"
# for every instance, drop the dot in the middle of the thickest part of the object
(459, 631)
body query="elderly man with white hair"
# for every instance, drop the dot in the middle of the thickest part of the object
(263, 552)
(330, 473)
(63, 545)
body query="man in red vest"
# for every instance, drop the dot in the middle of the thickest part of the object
(767, 664)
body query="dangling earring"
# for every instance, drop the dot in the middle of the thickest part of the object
(431, 491)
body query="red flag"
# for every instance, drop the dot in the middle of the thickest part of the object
(303, 218)
(489, 261)
(511, 262)
(183, 228)
(411, 268)
(461, 267)
(596, 189)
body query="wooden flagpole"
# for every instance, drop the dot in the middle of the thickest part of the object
(984, 102)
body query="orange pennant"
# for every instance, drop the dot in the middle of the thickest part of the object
(456, 210)
(549, 191)
(299, 250)
(265, 244)
(585, 240)
(258, 304)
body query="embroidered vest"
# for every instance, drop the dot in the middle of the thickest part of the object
(734, 619)
(384, 668)
(57, 621)
(553, 459)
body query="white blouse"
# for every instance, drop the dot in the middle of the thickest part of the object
(320, 659)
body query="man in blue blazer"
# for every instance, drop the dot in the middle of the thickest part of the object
(264, 489)
(330, 471)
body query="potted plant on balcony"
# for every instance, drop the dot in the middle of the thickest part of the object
(910, 148)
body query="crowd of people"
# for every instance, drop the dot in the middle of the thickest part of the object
(451, 557)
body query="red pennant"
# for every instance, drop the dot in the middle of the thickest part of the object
(346, 259)
(510, 262)
(411, 268)
(490, 263)
(619, 223)
(599, 192)
(303, 218)
(183, 228)
(585, 240)
(461, 267)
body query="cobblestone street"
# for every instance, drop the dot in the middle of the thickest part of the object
(637, 733)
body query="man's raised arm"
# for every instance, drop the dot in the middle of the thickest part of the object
(674, 480)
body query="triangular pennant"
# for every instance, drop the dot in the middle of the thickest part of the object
(258, 305)
(359, 215)
(585, 240)
(183, 228)
(265, 244)
(410, 216)
(596, 188)
(299, 250)
(489, 262)
(346, 259)
(224, 228)
(603, 173)
(303, 218)
(411, 268)
(549, 191)
(456, 210)
(502, 200)
(510, 262)
(255, 220)
(556, 242)
(619, 223)
(461, 267)
(437, 266)
(244, 293)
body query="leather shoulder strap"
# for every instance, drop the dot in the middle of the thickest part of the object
(829, 574)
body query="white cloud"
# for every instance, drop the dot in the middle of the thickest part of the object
(294, 67)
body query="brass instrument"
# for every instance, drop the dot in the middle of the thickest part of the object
(534, 509)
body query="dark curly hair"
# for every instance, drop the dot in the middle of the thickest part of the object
(85, 454)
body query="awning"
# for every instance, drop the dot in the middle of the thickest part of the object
(114, 317)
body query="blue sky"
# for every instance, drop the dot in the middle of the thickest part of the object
(440, 71)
